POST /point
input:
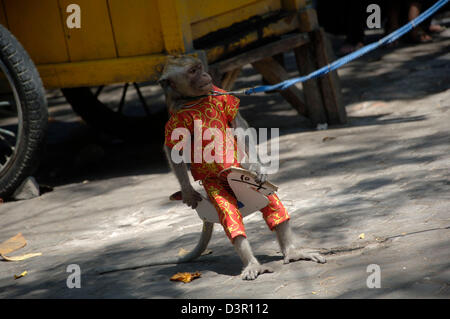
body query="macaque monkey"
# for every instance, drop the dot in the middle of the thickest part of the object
(188, 89)
(184, 79)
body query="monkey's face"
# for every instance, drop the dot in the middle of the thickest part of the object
(199, 80)
(192, 80)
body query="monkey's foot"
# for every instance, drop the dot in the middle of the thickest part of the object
(252, 271)
(294, 254)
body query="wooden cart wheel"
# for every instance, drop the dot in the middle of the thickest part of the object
(114, 117)
(23, 114)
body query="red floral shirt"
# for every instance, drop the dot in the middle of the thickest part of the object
(213, 112)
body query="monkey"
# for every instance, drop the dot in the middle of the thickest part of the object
(190, 94)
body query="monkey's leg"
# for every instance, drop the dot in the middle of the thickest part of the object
(205, 237)
(252, 268)
(225, 203)
(277, 218)
(289, 249)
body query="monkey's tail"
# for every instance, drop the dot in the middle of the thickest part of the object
(202, 244)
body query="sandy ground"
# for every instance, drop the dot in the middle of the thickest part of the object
(384, 174)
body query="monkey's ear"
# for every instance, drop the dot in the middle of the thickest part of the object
(164, 83)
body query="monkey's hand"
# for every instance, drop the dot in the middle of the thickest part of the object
(258, 169)
(261, 176)
(191, 197)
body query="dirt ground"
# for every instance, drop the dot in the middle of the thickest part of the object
(385, 174)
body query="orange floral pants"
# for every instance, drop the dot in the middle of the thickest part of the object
(225, 202)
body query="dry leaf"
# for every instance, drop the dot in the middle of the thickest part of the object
(362, 236)
(185, 276)
(19, 258)
(328, 138)
(176, 196)
(12, 244)
(182, 252)
(21, 275)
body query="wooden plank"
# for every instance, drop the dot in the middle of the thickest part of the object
(175, 26)
(38, 26)
(139, 35)
(277, 28)
(230, 78)
(270, 49)
(329, 83)
(208, 16)
(308, 16)
(274, 73)
(280, 59)
(107, 71)
(95, 39)
(311, 89)
(202, 9)
(292, 5)
(100, 72)
(308, 20)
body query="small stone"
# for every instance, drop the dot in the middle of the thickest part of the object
(27, 190)
(322, 126)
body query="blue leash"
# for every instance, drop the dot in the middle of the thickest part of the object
(349, 57)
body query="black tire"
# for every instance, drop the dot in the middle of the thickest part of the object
(22, 76)
(98, 115)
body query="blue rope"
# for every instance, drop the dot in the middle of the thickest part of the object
(352, 56)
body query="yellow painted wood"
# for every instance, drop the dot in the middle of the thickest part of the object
(308, 17)
(38, 26)
(211, 18)
(95, 39)
(309, 21)
(136, 26)
(175, 26)
(99, 72)
(126, 41)
(3, 20)
(293, 5)
(107, 71)
(201, 9)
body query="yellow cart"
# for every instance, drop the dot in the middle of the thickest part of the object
(76, 45)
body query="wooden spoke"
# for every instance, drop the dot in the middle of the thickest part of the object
(122, 99)
(99, 90)
(141, 98)
(7, 132)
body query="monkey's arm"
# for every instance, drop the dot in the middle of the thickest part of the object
(250, 148)
(190, 196)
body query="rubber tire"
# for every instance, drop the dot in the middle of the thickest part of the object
(34, 111)
(99, 116)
